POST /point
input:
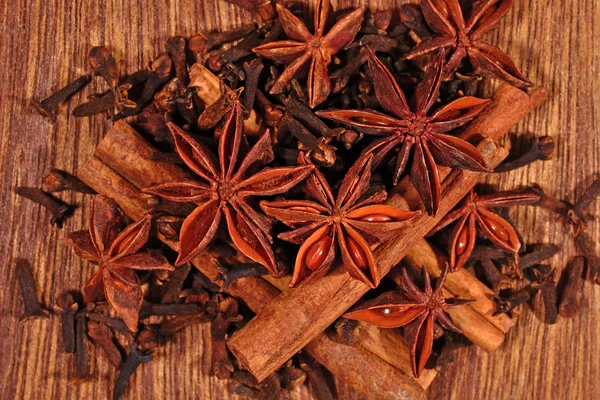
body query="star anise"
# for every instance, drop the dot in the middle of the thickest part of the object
(414, 131)
(304, 47)
(227, 191)
(414, 309)
(475, 211)
(462, 38)
(348, 221)
(117, 251)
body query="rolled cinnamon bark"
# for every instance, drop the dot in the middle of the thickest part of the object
(387, 344)
(369, 375)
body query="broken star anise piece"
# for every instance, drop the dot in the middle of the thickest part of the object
(414, 131)
(304, 47)
(117, 251)
(349, 222)
(477, 211)
(462, 38)
(227, 191)
(414, 309)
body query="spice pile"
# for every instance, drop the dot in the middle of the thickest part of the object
(274, 157)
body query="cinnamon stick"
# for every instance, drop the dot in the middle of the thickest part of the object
(289, 322)
(387, 344)
(370, 376)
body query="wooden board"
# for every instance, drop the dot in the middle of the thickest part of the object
(44, 45)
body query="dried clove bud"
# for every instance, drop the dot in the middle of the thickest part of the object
(57, 181)
(103, 338)
(540, 149)
(33, 309)
(546, 286)
(135, 358)
(176, 47)
(228, 274)
(570, 300)
(508, 304)
(48, 106)
(172, 288)
(67, 307)
(57, 208)
(222, 365)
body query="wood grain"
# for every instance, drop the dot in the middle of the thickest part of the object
(44, 45)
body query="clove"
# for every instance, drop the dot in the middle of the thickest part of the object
(172, 288)
(103, 63)
(570, 300)
(57, 208)
(48, 106)
(222, 365)
(486, 255)
(176, 47)
(33, 309)
(252, 70)
(57, 181)
(587, 248)
(582, 206)
(135, 358)
(103, 338)
(540, 149)
(535, 257)
(67, 307)
(229, 274)
(82, 371)
(546, 285)
(114, 323)
(160, 73)
(508, 304)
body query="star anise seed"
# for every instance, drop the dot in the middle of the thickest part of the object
(476, 211)
(324, 224)
(462, 38)
(416, 310)
(226, 191)
(117, 251)
(316, 49)
(414, 131)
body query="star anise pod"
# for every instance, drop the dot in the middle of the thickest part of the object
(227, 191)
(414, 131)
(347, 221)
(414, 309)
(476, 211)
(303, 48)
(117, 251)
(463, 38)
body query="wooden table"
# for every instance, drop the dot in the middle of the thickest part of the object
(44, 45)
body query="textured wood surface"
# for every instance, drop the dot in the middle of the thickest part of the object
(44, 44)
